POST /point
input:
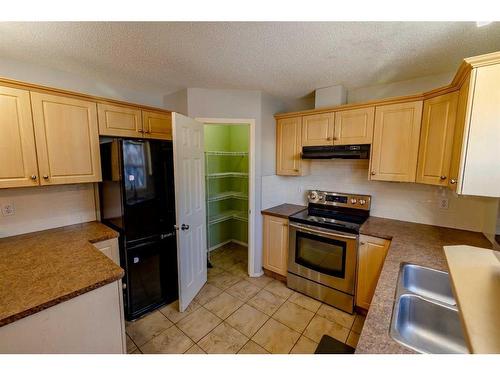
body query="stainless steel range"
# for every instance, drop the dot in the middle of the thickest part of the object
(323, 247)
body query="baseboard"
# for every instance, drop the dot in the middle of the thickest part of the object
(258, 274)
(225, 243)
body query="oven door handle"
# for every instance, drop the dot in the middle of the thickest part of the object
(323, 233)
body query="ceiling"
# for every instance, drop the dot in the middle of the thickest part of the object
(285, 59)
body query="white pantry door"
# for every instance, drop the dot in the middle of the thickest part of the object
(189, 171)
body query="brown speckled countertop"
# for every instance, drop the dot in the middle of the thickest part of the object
(283, 210)
(415, 243)
(41, 269)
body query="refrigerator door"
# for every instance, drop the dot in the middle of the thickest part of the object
(148, 185)
(151, 279)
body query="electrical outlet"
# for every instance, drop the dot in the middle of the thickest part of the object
(443, 203)
(8, 209)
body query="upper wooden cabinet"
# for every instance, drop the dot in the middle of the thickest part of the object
(436, 139)
(275, 249)
(475, 161)
(18, 166)
(289, 147)
(157, 125)
(354, 126)
(67, 139)
(119, 121)
(372, 252)
(318, 130)
(395, 142)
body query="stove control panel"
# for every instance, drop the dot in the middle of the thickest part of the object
(339, 199)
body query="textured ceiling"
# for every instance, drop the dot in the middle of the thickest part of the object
(285, 59)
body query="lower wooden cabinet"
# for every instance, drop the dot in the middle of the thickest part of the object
(275, 249)
(395, 142)
(372, 252)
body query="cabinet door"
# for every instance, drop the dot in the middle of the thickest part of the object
(157, 125)
(275, 244)
(110, 249)
(354, 126)
(395, 142)
(18, 166)
(288, 147)
(119, 121)
(317, 130)
(372, 252)
(458, 136)
(436, 139)
(67, 139)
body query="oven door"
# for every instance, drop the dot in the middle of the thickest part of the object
(325, 256)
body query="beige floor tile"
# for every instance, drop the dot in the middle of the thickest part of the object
(214, 271)
(336, 315)
(306, 302)
(223, 340)
(170, 341)
(171, 311)
(195, 349)
(226, 262)
(276, 337)
(247, 320)
(353, 339)
(251, 347)
(239, 269)
(224, 305)
(131, 347)
(293, 316)
(223, 280)
(144, 329)
(358, 323)
(260, 281)
(243, 290)
(320, 326)
(304, 346)
(279, 288)
(207, 293)
(198, 324)
(266, 302)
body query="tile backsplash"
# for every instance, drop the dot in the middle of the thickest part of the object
(402, 201)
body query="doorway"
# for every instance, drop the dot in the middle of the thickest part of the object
(229, 185)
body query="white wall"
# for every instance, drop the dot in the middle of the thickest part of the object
(402, 201)
(39, 208)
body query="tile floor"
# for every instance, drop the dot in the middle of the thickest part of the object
(234, 313)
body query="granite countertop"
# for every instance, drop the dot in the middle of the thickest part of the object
(41, 269)
(283, 210)
(410, 242)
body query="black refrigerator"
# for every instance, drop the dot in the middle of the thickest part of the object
(137, 199)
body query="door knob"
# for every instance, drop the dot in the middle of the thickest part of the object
(182, 227)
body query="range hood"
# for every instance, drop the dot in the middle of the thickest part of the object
(336, 152)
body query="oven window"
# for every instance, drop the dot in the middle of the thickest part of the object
(321, 254)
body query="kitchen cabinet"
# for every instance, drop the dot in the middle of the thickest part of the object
(110, 249)
(372, 252)
(436, 139)
(318, 130)
(354, 126)
(474, 167)
(67, 139)
(157, 125)
(275, 249)
(120, 121)
(395, 142)
(17, 142)
(289, 147)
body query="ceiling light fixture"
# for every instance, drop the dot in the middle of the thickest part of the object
(483, 23)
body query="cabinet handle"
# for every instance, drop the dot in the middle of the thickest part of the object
(362, 243)
(140, 131)
(45, 177)
(373, 173)
(33, 177)
(330, 139)
(443, 177)
(295, 170)
(453, 181)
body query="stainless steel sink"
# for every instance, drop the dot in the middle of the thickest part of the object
(425, 317)
(427, 282)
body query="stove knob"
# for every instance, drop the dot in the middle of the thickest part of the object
(353, 200)
(362, 201)
(313, 196)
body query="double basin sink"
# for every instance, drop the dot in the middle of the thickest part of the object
(425, 317)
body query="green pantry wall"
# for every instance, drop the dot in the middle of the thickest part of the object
(226, 169)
